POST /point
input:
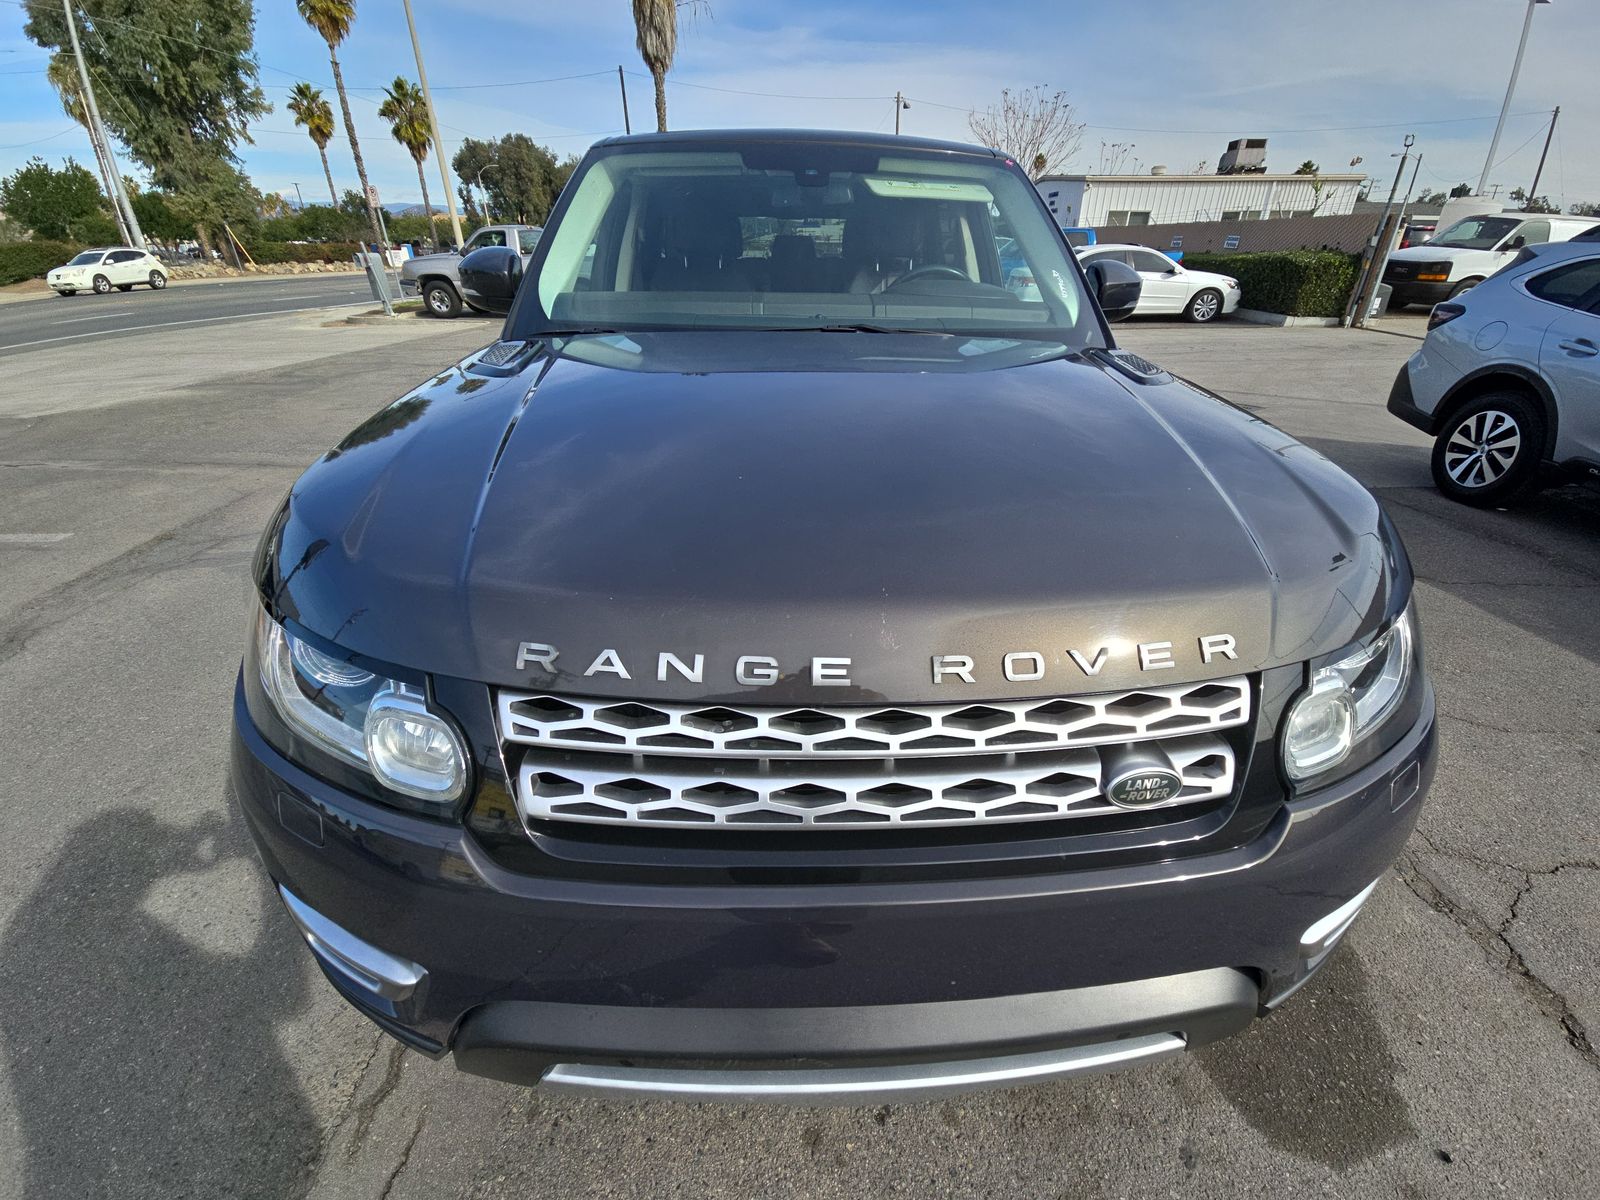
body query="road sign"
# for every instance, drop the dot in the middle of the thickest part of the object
(372, 195)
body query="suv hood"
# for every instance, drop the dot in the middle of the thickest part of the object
(882, 510)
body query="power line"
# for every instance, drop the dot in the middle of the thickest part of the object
(706, 87)
(36, 141)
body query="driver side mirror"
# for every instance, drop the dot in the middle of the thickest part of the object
(490, 277)
(1116, 287)
(1517, 243)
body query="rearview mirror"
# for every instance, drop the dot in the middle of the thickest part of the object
(490, 278)
(1116, 287)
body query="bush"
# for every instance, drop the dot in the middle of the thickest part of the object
(1297, 283)
(294, 252)
(20, 261)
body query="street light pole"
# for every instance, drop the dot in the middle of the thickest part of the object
(299, 198)
(900, 102)
(438, 140)
(119, 198)
(1511, 87)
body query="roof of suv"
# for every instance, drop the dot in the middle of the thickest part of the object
(829, 137)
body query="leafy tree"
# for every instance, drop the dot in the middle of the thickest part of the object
(181, 112)
(1432, 198)
(1585, 209)
(1037, 129)
(158, 217)
(332, 20)
(1460, 190)
(315, 115)
(95, 229)
(407, 113)
(472, 162)
(1308, 168)
(48, 201)
(1533, 204)
(521, 177)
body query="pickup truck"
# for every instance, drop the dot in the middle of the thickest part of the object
(436, 279)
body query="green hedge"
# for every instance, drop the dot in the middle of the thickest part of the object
(1298, 283)
(295, 252)
(20, 261)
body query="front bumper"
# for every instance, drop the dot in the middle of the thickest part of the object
(409, 288)
(1410, 292)
(822, 991)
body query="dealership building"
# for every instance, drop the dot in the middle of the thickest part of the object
(1095, 201)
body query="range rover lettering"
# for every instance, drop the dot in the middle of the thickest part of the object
(789, 664)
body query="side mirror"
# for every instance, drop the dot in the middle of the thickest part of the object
(1116, 287)
(1517, 243)
(490, 278)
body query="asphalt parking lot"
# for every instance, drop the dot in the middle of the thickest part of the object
(163, 1032)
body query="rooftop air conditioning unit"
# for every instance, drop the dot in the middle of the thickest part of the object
(1244, 156)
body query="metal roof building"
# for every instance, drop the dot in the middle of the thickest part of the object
(1157, 199)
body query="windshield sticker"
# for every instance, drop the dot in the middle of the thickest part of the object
(927, 189)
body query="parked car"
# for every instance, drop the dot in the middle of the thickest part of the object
(766, 674)
(1079, 236)
(1170, 288)
(1468, 252)
(120, 267)
(1507, 379)
(435, 277)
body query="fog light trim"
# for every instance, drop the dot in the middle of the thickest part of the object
(363, 964)
(1325, 934)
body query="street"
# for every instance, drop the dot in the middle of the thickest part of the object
(56, 320)
(165, 1033)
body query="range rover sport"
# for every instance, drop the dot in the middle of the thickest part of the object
(790, 665)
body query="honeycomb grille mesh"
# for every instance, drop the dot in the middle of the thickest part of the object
(858, 731)
(672, 765)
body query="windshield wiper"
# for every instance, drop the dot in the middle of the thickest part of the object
(858, 327)
(575, 331)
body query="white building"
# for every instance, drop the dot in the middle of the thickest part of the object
(1100, 200)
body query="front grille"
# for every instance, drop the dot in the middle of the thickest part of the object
(673, 765)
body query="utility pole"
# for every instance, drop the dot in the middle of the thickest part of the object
(1548, 134)
(438, 140)
(900, 102)
(1377, 248)
(1511, 87)
(627, 126)
(119, 196)
(301, 200)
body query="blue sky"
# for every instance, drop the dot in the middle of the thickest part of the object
(1176, 80)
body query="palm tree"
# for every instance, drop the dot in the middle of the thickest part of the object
(332, 20)
(315, 115)
(656, 22)
(407, 113)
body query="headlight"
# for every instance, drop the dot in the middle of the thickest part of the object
(1349, 700)
(378, 724)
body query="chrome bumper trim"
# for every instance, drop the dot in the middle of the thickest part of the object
(1325, 934)
(362, 963)
(862, 1085)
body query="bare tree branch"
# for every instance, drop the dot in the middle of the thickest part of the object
(1039, 130)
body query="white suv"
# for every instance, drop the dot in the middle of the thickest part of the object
(1508, 378)
(101, 270)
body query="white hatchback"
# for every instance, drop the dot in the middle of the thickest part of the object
(1170, 288)
(119, 267)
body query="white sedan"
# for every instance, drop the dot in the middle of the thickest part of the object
(1170, 288)
(101, 270)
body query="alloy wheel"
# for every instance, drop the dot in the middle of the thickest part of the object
(1205, 306)
(1482, 448)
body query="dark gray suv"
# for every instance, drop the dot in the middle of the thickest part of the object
(791, 664)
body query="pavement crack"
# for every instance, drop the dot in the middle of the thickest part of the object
(1496, 943)
(405, 1156)
(367, 1109)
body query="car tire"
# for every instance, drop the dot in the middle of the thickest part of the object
(1466, 285)
(102, 285)
(1204, 306)
(441, 300)
(1488, 452)
(157, 280)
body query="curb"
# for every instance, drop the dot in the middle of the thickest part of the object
(1255, 316)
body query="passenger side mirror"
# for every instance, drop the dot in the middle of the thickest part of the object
(490, 277)
(1116, 287)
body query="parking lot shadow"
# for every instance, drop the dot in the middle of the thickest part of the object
(142, 1061)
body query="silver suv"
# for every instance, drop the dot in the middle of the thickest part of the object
(1508, 378)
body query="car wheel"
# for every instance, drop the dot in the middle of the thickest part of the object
(1488, 453)
(1205, 305)
(102, 285)
(440, 300)
(1466, 285)
(157, 280)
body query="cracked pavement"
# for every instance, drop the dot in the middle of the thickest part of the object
(163, 1032)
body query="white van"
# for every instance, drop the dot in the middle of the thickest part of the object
(1470, 251)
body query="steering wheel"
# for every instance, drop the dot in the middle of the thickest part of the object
(936, 269)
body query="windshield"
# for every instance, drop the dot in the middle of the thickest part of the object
(1476, 233)
(804, 235)
(87, 257)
